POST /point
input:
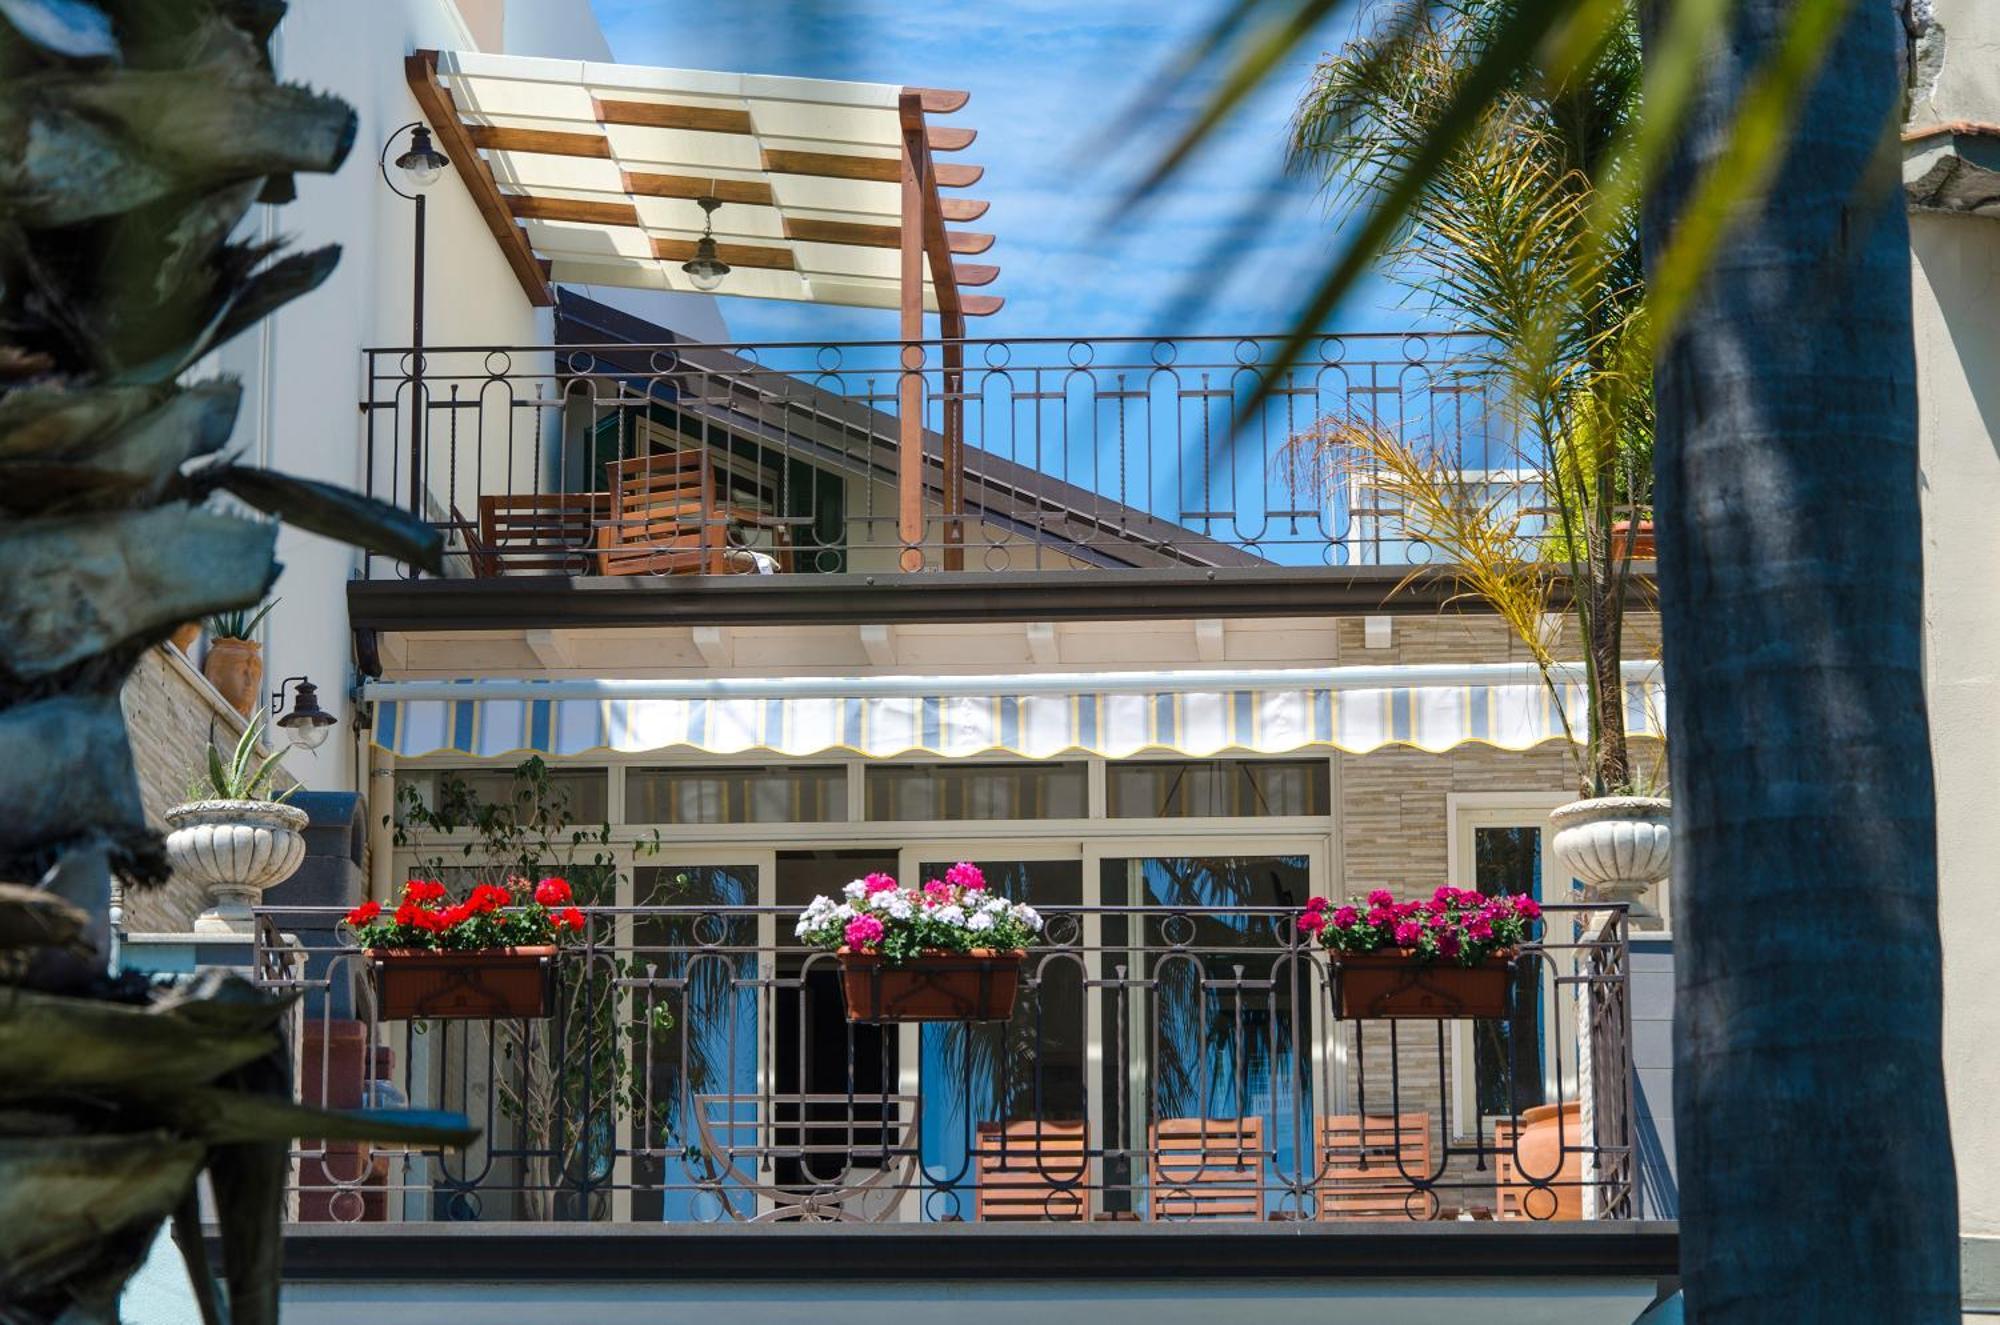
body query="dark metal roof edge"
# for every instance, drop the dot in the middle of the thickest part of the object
(484, 1252)
(550, 602)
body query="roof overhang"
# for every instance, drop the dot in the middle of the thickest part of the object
(590, 173)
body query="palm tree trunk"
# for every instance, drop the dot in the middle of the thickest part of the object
(1815, 1164)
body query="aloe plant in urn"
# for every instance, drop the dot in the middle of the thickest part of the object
(235, 837)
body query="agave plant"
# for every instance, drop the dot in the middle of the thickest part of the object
(238, 622)
(134, 136)
(245, 774)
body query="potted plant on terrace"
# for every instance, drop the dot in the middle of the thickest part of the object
(949, 951)
(234, 664)
(490, 956)
(1449, 956)
(1539, 504)
(234, 836)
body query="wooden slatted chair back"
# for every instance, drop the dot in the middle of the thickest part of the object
(1033, 1170)
(538, 533)
(1207, 1168)
(1370, 1161)
(664, 517)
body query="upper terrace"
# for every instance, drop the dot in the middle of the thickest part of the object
(627, 458)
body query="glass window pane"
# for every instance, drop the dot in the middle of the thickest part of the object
(566, 796)
(1217, 788)
(977, 791)
(760, 795)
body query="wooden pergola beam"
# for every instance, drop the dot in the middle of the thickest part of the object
(875, 236)
(876, 169)
(736, 255)
(420, 72)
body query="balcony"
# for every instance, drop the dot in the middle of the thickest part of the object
(1164, 1065)
(657, 461)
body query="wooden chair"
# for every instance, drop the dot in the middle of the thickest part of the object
(538, 533)
(664, 519)
(1207, 1168)
(1032, 1170)
(1370, 1162)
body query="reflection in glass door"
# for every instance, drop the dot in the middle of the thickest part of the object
(1217, 1021)
(693, 1013)
(1025, 1072)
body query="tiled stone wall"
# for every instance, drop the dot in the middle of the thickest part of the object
(171, 714)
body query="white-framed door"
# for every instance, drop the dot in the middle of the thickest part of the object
(1500, 841)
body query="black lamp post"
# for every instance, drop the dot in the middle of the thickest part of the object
(421, 165)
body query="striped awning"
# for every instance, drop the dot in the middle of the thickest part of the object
(487, 720)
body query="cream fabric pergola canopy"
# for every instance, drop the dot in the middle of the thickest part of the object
(828, 190)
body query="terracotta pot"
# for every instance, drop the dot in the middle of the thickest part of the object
(186, 637)
(937, 986)
(1641, 539)
(1537, 1156)
(483, 984)
(1394, 983)
(235, 667)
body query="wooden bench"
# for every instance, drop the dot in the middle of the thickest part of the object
(1370, 1163)
(1033, 1170)
(1207, 1168)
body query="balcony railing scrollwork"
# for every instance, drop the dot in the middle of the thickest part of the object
(1161, 1064)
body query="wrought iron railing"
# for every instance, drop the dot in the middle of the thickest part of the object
(1038, 454)
(1162, 1063)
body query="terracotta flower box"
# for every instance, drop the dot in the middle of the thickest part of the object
(478, 984)
(937, 986)
(1392, 982)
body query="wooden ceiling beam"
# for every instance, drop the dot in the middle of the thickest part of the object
(529, 206)
(500, 138)
(877, 169)
(963, 209)
(420, 72)
(736, 255)
(875, 236)
(666, 115)
(749, 192)
(981, 305)
(938, 100)
(974, 273)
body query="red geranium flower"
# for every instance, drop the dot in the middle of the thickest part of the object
(552, 891)
(364, 913)
(454, 915)
(424, 890)
(569, 918)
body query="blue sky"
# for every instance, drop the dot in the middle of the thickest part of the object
(1047, 77)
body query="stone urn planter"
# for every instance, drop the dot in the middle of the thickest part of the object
(234, 850)
(1618, 846)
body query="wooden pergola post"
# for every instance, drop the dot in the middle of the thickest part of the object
(910, 385)
(922, 239)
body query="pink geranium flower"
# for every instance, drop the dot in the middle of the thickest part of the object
(879, 883)
(862, 931)
(1527, 907)
(1344, 917)
(1408, 933)
(965, 875)
(1381, 897)
(1312, 922)
(1447, 944)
